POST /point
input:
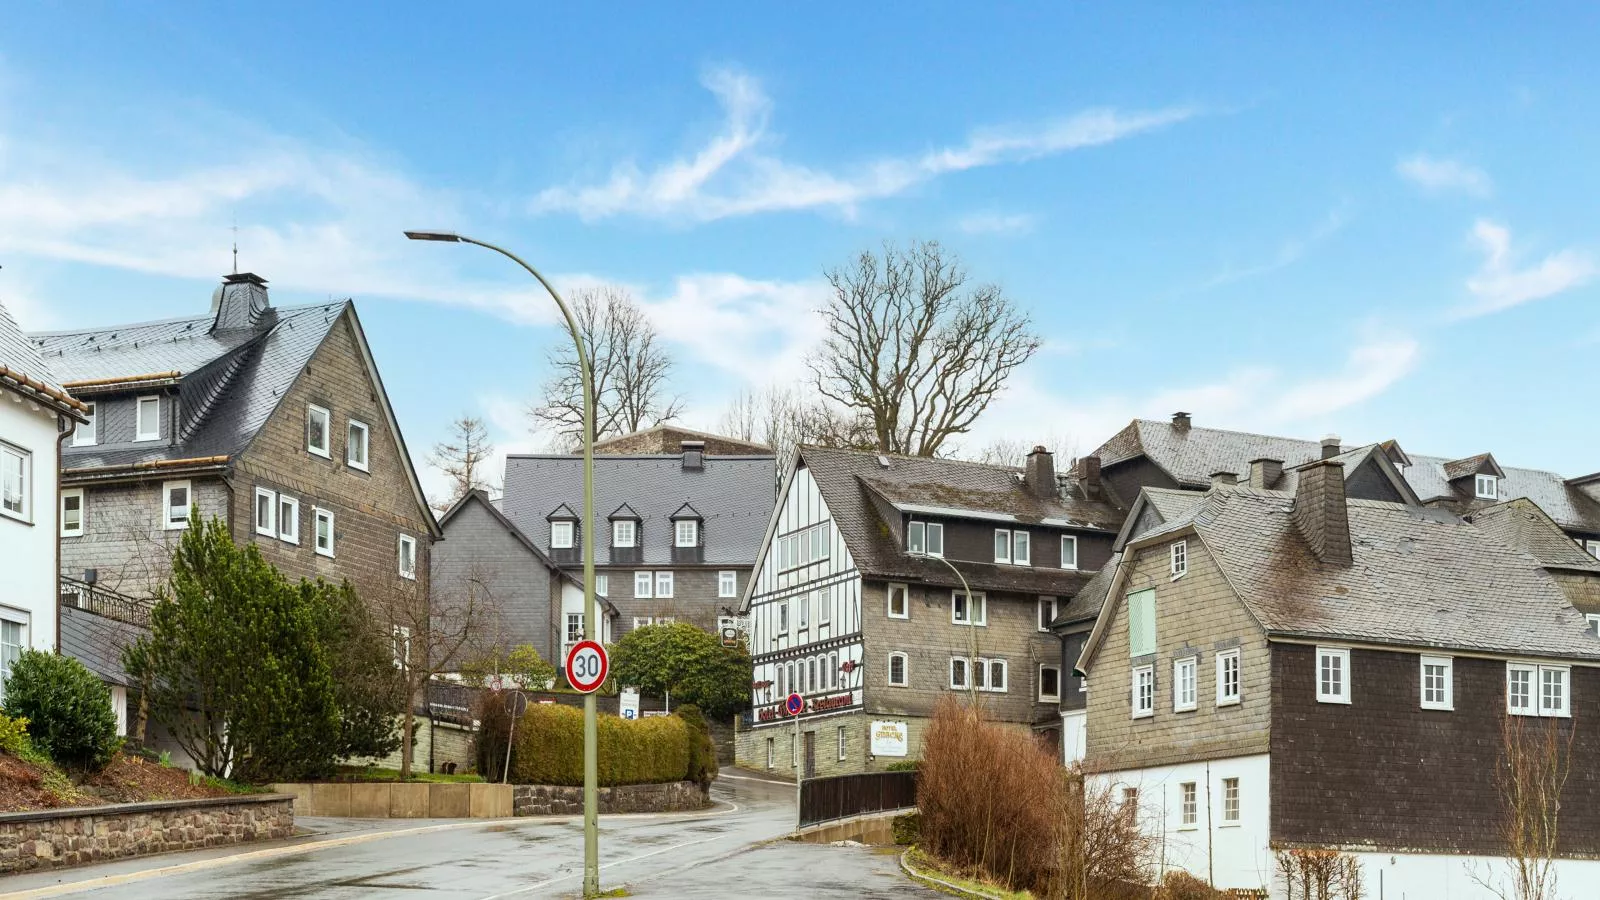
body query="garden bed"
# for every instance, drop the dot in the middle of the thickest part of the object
(379, 774)
(27, 785)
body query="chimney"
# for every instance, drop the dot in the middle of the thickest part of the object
(1089, 477)
(239, 302)
(694, 455)
(1330, 446)
(1039, 474)
(1180, 421)
(1224, 479)
(1320, 512)
(1264, 473)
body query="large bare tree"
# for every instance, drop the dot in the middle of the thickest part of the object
(914, 348)
(632, 370)
(783, 419)
(464, 456)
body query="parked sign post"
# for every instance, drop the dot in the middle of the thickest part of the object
(794, 705)
(630, 703)
(587, 666)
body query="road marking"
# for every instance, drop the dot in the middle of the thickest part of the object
(603, 866)
(761, 780)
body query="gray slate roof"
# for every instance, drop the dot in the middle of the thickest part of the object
(735, 494)
(97, 642)
(1521, 524)
(25, 369)
(1091, 597)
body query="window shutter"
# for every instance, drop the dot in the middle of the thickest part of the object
(1142, 623)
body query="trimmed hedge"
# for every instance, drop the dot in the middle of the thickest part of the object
(67, 708)
(550, 748)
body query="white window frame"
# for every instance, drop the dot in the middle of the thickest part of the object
(1044, 603)
(905, 601)
(167, 488)
(602, 584)
(663, 585)
(1486, 487)
(25, 490)
(318, 516)
(686, 528)
(841, 744)
(1068, 540)
(1343, 656)
(802, 619)
(1185, 684)
(314, 412)
(1002, 545)
(1047, 697)
(140, 432)
(562, 533)
(1224, 698)
(905, 670)
(1178, 559)
(1447, 700)
(1232, 813)
(87, 433)
(988, 675)
(23, 619)
(572, 630)
(935, 528)
(1021, 548)
(727, 584)
(824, 608)
(982, 605)
(73, 494)
(783, 618)
(1564, 711)
(965, 682)
(270, 528)
(624, 526)
(1594, 623)
(1188, 805)
(291, 533)
(1593, 547)
(1143, 697)
(1532, 671)
(1536, 680)
(351, 427)
(916, 537)
(404, 542)
(644, 585)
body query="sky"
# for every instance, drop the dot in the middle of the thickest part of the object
(1368, 221)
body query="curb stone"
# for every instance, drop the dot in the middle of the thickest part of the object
(916, 874)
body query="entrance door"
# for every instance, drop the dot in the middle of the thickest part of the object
(811, 754)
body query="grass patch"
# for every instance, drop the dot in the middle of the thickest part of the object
(381, 774)
(922, 862)
(616, 892)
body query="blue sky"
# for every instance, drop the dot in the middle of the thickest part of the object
(1367, 221)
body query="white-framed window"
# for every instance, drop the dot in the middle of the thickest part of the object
(1047, 612)
(1593, 621)
(324, 531)
(900, 669)
(1333, 675)
(1012, 546)
(642, 621)
(925, 537)
(1144, 691)
(824, 601)
(1049, 683)
(401, 637)
(176, 500)
(1486, 487)
(783, 618)
(1130, 799)
(1188, 804)
(958, 673)
(1142, 622)
(727, 584)
(1002, 545)
(663, 585)
(147, 419)
(318, 423)
(13, 640)
(267, 512)
(1555, 686)
(624, 533)
(358, 441)
(1593, 547)
(602, 584)
(288, 519)
(16, 482)
(686, 533)
(1438, 690)
(833, 671)
(1021, 548)
(643, 584)
(1230, 801)
(1228, 692)
(899, 601)
(1185, 675)
(968, 611)
(1178, 556)
(72, 512)
(841, 743)
(805, 547)
(1534, 690)
(407, 555)
(1069, 552)
(997, 682)
(561, 535)
(575, 628)
(811, 675)
(802, 606)
(87, 433)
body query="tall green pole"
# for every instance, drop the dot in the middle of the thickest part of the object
(591, 631)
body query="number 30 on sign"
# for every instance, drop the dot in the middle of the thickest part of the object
(587, 666)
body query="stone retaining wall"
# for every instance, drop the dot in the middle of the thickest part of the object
(555, 800)
(52, 838)
(400, 800)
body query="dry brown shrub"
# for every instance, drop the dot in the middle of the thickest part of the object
(1180, 885)
(1105, 855)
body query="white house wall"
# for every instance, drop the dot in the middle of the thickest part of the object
(1444, 877)
(28, 585)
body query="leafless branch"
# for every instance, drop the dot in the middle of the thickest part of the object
(464, 457)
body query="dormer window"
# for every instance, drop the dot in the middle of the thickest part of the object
(688, 536)
(624, 533)
(627, 544)
(1486, 487)
(561, 535)
(925, 538)
(147, 419)
(686, 533)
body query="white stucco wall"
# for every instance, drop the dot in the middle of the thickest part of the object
(1074, 736)
(28, 549)
(1409, 876)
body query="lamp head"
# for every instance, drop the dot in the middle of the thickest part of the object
(448, 236)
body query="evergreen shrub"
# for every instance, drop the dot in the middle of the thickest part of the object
(549, 748)
(67, 708)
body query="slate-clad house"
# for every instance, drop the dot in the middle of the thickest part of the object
(1278, 669)
(675, 533)
(273, 419)
(850, 608)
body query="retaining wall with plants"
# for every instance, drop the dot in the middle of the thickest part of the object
(51, 838)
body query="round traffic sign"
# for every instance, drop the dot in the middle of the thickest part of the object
(587, 666)
(794, 704)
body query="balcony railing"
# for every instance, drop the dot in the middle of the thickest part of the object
(105, 602)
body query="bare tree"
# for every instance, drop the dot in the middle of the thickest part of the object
(1014, 451)
(783, 419)
(464, 456)
(915, 350)
(631, 366)
(1535, 761)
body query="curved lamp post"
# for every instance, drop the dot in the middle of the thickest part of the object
(972, 624)
(591, 631)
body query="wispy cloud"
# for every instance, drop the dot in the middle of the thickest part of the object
(737, 172)
(997, 223)
(1289, 252)
(1438, 175)
(1500, 284)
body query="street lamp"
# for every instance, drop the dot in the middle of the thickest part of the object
(972, 623)
(591, 631)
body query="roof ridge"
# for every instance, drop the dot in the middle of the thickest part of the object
(297, 308)
(907, 456)
(1275, 437)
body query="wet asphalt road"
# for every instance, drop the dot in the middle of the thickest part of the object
(730, 852)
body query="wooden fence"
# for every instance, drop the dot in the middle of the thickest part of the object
(843, 796)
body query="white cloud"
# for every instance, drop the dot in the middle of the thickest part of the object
(736, 174)
(997, 223)
(1437, 175)
(1499, 284)
(1289, 252)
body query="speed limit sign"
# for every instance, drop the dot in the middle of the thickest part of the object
(587, 666)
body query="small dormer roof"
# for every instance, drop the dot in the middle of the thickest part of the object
(1481, 464)
(687, 511)
(562, 513)
(625, 512)
(1391, 448)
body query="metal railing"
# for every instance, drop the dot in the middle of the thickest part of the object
(843, 796)
(105, 602)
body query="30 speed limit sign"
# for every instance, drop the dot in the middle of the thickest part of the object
(587, 666)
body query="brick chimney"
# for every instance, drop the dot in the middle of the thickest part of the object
(1330, 446)
(1180, 421)
(240, 302)
(1039, 473)
(1264, 473)
(694, 455)
(1224, 479)
(1320, 512)
(1089, 477)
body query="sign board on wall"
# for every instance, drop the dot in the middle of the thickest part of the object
(890, 738)
(630, 703)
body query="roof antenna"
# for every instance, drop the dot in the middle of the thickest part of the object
(235, 243)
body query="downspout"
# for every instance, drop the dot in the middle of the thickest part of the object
(61, 440)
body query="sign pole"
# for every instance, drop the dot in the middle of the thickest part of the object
(794, 705)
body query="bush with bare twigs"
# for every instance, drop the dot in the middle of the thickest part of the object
(1319, 875)
(1180, 885)
(1535, 762)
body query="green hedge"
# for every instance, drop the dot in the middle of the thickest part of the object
(645, 751)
